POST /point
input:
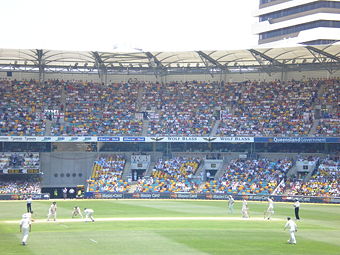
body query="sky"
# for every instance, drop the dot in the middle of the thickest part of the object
(128, 25)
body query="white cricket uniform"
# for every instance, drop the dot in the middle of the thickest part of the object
(270, 210)
(25, 228)
(292, 227)
(245, 209)
(76, 211)
(231, 204)
(52, 211)
(88, 214)
(27, 215)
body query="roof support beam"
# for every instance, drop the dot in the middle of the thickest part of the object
(265, 57)
(211, 60)
(324, 53)
(318, 55)
(205, 57)
(41, 64)
(156, 65)
(100, 64)
(259, 56)
(154, 60)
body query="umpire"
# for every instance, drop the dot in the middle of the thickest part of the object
(29, 204)
(296, 209)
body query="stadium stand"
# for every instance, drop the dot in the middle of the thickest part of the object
(15, 185)
(271, 108)
(107, 175)
(17, 160)
(324, 182)
(178, 108)
(22, 106)
(94, 109)
(172, 175)
(246, 176)
(183, 109)
(250, 108)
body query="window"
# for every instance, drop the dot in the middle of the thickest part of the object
(320, 42)
(299, 9)
(298, 28)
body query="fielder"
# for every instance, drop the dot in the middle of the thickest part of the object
(270, 211)
(52, 211)
(245, 209)
(76, 212)
(292, 227)
(88, 214)
(25, 228)
(29, 216)
(231, 204)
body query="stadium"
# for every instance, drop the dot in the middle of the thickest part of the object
(156, 144)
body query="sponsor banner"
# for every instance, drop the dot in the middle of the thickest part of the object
(108, 139)
(49, 139)
(24, 196)
(335, 200)
(133, 139)
(297, 139)
(112, 195)
(178, 139)
(148, 195)
(210, 196)
(170, 139)
(186, 195)
(106, 195)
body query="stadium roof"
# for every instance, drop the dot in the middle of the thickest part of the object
(248, 60)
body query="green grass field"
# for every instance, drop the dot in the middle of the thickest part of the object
(319, 229)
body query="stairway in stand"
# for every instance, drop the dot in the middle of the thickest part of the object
(215, 127)
(313, 128)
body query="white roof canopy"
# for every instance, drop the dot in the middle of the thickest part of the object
(271, 59)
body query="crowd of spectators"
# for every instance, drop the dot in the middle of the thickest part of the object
(107, 175)
(329, 127)
(329, 102)
(249, 176)
(249, 108)
(325, 181)
(270, 108)
(19, 160)
(21, 186)
(95, 109)
(241, 177)
(22, 105)
(172, 175)
(183, 108)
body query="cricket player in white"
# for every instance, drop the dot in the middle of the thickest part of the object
(245, 209)
(25, 228)
(76, 212)
(29, 216)
(231, 204)
(88, 214)
(292, 227)
(52, 211)
(270, 210)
